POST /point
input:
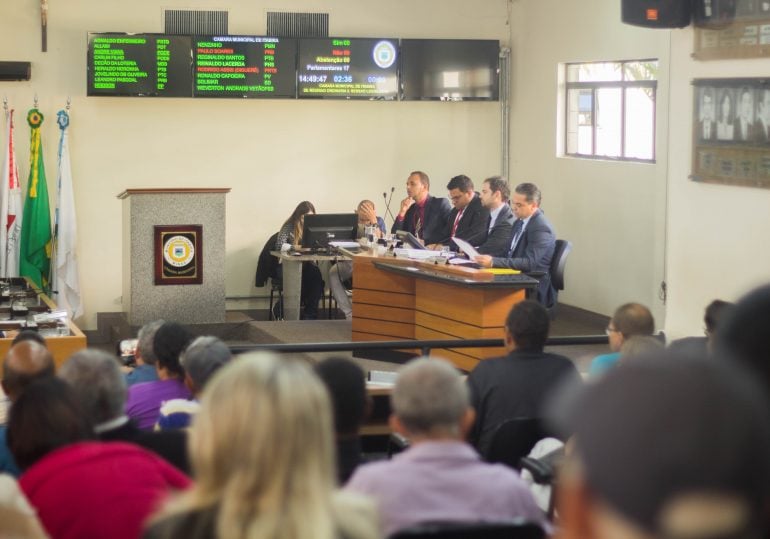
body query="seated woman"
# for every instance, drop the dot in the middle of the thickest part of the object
(79, 487)
(145, 399)
(262, 451)
(312, 281)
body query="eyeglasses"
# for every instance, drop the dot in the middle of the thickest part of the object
(610, 330)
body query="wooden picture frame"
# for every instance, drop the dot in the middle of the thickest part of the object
(178, 254)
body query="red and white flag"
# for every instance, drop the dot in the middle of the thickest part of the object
(10, 207)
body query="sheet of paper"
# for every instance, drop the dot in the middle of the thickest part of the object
(466, 248)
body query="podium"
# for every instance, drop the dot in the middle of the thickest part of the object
(174, 255)
(401, 299)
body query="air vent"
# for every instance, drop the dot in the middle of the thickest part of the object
(285, 24)
(189, 22)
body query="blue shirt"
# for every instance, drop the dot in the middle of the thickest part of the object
(603, 363)
(141, 374)
(7, 462)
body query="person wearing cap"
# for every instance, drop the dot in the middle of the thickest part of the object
(440, 478)
(200, 361)
(516, 385)
(665, 448)
(629, 319)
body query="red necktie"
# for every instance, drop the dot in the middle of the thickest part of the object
(457, 221)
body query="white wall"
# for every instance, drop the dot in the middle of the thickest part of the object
(272, 153)
(717, 234)
(613, 212)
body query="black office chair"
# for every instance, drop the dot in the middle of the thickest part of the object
(514, 439)
(267, 270)
(472, 530)
(556, 270)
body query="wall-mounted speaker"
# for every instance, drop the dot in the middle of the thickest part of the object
(15, 70)
(657, 13)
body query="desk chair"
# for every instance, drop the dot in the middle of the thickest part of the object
(267, 270)
(559, 261)
(472, 530)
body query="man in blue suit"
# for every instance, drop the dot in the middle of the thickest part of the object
(532, 244)
(423, 215)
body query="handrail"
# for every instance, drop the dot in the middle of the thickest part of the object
(425, 346)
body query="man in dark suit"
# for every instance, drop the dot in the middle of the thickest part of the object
(468, 219)
(422, 214)
(533, 242)
(495, 195)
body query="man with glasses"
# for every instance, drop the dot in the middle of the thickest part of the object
(532, 244)
(629, 319)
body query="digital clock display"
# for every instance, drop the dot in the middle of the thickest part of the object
(154, 65)
(362, 68)
(244, 66)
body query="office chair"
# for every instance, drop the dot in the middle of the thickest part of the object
(472, 530)
(514, 439)
(267, 270)
(561, 250)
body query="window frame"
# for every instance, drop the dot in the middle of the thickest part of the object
(594, 86)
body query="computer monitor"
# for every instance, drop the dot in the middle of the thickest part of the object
(319, 229)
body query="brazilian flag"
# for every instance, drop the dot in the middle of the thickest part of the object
(35, 248)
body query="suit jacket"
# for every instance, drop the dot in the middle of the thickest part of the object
(534, 252)
(500, 236)
(472, 226)
(436, 213)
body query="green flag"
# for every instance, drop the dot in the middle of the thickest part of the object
(35, 249)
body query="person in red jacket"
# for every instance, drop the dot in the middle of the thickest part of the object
(82, 488)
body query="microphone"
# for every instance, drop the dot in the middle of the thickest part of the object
(387, 203)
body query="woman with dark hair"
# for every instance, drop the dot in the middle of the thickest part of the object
(312, 281)
(144, 400)
(79, 487)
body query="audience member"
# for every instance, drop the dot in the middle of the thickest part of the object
(468, 219)
(743, 334)
(18, 519)
(439, 478)
(341, 272)
(703, 346)
(422, 214)
(312, 282)
(82, 488)
(629, 319)
(144, 356)
(23, 335)
(346, 383)
(516, 385)
(200, 361)
(665, 448)
(533, 242)
(262, 452)
(25, 362)
(144, 400)
(495, 195)
(100, 387)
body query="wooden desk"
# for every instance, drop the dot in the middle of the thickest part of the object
(61, 347)
(397, 299)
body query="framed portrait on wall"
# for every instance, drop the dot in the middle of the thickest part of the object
(731, 131)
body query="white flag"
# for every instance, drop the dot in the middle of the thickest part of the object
(10, 208)
(66, 278)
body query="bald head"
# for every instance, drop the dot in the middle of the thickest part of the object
(24, 363)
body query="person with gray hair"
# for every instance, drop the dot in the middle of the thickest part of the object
(440, 477)
(200, 360)
(98, 383)
(145, 355)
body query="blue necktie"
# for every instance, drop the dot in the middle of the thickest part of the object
(517, 226)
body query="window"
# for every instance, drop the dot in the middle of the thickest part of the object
(611, 110)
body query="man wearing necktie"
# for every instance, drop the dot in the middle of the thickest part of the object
(495, 196)
(532, 244)
(421, 214)
(468, 220)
